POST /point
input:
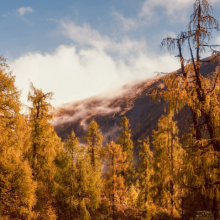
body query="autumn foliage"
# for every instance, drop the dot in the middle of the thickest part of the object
(177, 175)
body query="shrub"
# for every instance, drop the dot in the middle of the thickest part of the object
(203, 215)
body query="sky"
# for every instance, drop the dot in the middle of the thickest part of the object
(79, 48)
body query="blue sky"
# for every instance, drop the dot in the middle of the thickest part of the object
(78, 48)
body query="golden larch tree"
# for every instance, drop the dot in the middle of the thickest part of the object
(45, 144)
(114, 182)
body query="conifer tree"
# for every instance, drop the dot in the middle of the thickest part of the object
(94, 141)
(17, 189)
(132, 196)
(167, 164)
(73, 151)
(66, 176)
(127, 147)
(189, 87)
(80, 185)
(145, 172)
(75, 182)
(200, 94)
(45, 144)
(132, 201)
(199, 177)
(114, 182)
(82, 179)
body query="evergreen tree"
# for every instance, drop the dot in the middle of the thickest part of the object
(17, 189)
(127, 147)
(45, 144)
(115, 189)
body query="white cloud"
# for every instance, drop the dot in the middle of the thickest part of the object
(217, 40)
(23, 10)
(82, 35)
(100, 64)
(86, 36)
(176, 10)
(126, 23)
(152, 11)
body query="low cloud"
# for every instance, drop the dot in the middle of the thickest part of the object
(112, 134)
(91, 65)
(82, 111)
(24, 10)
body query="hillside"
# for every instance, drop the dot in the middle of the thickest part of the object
(132, 100)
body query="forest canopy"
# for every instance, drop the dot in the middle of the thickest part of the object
(177, 175)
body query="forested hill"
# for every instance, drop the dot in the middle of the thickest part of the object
(132, 100)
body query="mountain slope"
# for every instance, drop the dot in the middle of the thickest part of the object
(132, 100)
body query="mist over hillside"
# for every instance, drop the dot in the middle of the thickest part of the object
(133, 100)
